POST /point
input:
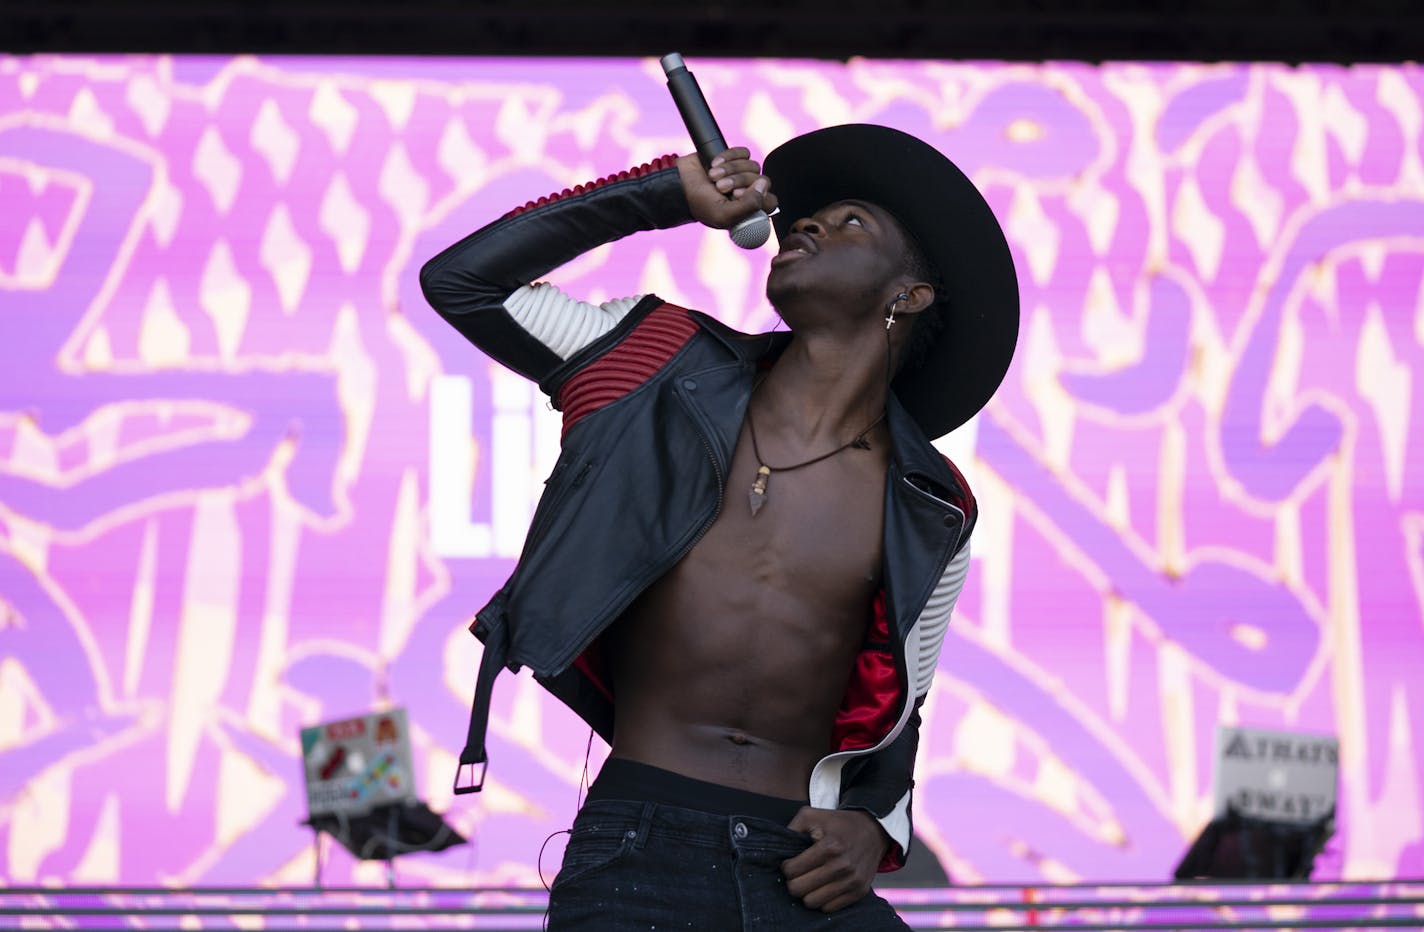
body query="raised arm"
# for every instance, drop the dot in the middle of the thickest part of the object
(481, 284)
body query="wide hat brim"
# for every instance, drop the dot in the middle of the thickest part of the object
(956, 230)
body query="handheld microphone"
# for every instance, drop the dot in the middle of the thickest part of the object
(752, 231)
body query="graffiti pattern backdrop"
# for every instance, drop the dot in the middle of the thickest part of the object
(249, 481)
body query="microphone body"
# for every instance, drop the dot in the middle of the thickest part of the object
(754, 230)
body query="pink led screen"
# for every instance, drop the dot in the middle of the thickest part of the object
(249, 481)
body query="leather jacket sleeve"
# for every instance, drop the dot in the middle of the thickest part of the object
(882, 785)
(481, 284)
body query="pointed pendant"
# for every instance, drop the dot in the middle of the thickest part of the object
(757, 496)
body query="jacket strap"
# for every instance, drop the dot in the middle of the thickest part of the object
(474, 753)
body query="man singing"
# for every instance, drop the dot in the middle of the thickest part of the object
(742, 567)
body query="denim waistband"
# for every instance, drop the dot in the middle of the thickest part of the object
(622, 779)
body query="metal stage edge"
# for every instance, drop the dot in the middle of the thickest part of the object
(1397, 904)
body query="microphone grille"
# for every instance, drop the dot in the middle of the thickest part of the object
(752, 231)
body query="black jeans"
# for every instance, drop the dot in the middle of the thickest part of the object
(638, 864)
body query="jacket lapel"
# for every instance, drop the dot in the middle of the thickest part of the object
(921, 527)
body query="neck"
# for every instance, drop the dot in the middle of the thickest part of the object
(824, 388)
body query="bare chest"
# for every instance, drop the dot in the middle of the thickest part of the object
(815, 530)
(756, 628)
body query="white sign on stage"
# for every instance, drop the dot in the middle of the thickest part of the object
(358, 763)
(1278, 776)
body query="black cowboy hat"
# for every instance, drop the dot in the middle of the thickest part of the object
(956, 230)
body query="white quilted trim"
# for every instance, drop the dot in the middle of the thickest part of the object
(564, 324)
(934, 619)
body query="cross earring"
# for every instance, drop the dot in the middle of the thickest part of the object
(890, 319)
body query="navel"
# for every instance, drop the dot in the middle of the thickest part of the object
(739, 738)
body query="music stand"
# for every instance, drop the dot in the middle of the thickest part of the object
(384, 832)
(1238, 847)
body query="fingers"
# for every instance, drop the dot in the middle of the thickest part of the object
(836, 870)
(734, 172)
(729, 190)
(804, 863)
(828, 887)
(736, 177)
(819, 864)
(742, 204)
(802, 879)
(736, 153)
(841, 902)
(804, 820)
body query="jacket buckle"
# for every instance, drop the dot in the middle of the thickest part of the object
(473, 785)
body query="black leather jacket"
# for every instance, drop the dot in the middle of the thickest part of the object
(653, 405)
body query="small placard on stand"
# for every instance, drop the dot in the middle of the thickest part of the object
(1275, 806)
(361, 791)
(1276, 776)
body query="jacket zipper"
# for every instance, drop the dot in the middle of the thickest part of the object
(538, 529)
(665, 566)
(701, 533)
(716, 512)
(721, 495)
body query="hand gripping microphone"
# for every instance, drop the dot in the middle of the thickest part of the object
(754, 230)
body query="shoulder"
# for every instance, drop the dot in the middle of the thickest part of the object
(647, 338)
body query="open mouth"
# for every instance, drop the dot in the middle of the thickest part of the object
(795, 245)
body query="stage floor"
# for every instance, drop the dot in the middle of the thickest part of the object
(1394, 904)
